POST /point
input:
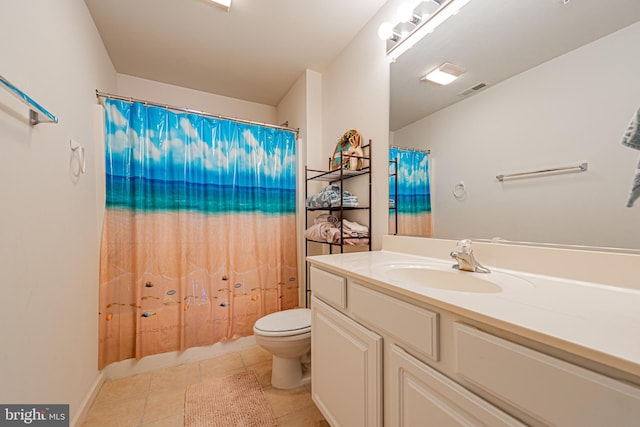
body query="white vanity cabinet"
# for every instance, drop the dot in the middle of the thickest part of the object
(347, 369)
(381, 357)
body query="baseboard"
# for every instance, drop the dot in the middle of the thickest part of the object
(88, 401)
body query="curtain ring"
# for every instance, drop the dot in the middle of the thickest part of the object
(459, 191)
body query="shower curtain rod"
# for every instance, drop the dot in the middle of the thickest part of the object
(188, 110)
(411, 149)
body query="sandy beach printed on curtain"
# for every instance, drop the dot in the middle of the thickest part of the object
(199, 233)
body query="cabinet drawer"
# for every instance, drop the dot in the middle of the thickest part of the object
(415, 327)
(548, 389)
(424, 397)
(329, 287)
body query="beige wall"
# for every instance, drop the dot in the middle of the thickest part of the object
(194, 99)
(49, 241)
(301, 108)
(355, 95)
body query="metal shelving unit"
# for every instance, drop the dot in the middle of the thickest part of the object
(337, 176)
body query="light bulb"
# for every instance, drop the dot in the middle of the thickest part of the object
(385, 31)
(405, 12)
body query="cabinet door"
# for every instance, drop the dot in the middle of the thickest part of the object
(421, 396)
(346, 369)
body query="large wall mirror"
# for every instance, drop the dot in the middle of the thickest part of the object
(548, 84)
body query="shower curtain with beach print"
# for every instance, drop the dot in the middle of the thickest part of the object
(412, 203)
(199, 237)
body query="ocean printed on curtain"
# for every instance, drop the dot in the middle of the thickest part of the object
(410, 207)
(199, 238)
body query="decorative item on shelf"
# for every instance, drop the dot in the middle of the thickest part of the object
(348, 153)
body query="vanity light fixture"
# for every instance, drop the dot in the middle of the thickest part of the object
(444, 74)
(422, 17)
(225, 4)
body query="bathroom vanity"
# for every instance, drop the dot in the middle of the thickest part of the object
(404, 340)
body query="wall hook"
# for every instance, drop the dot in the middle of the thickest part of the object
(78, 150)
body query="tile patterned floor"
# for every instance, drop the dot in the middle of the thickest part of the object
(157, 398)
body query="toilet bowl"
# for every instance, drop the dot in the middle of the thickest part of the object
(287, 336)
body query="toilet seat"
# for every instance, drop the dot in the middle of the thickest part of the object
(296, 321)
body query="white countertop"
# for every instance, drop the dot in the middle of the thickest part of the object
(594, 321)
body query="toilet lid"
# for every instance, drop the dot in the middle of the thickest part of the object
(287, 322)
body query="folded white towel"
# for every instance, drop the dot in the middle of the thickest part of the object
(353, 229)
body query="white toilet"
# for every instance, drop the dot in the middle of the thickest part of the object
(287, 336)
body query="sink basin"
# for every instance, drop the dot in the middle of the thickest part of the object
(453, 280)
(449, 279)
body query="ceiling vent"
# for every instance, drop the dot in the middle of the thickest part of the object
(474, 89)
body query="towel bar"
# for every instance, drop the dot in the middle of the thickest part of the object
(579, 168)
(34, 117)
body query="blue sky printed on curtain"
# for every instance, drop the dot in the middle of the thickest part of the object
(158, 160)
(414, 193)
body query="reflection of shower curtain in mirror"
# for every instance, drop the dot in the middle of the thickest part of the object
(412, 203)
(199, 235)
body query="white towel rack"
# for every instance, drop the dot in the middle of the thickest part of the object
(582, 167)
(34, 116)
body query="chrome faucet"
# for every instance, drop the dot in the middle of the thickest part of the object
(466, 261)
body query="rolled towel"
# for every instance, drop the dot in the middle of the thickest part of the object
(326, 218)
(319, 232)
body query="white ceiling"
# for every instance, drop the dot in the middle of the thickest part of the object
(497, 39)
(254, 52)
(258, 49)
